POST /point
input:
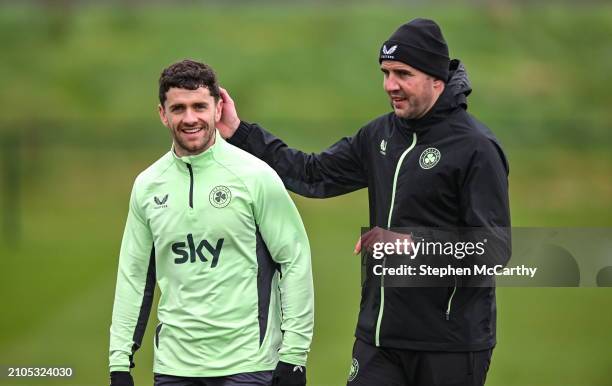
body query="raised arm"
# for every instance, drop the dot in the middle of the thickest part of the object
(337, 170)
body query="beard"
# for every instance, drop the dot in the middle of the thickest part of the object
(196, 142)
(413, 109)
(413, 106)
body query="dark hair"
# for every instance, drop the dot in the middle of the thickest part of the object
(190, 75)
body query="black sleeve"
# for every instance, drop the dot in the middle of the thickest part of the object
(484, 200)
(337, 170)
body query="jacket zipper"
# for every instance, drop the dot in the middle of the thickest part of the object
(450, 301)
(382, 279)
(190, 185)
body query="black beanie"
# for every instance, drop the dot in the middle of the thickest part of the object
(420, 44)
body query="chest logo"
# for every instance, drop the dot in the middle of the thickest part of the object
(429, 158)
(220, 196)
(383, 147)
(160, 202)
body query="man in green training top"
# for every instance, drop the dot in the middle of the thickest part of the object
(215, 227)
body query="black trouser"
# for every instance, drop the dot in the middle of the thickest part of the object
(376, 366)
(258, 378)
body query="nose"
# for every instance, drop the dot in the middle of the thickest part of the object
(190, 117)
(390, 84)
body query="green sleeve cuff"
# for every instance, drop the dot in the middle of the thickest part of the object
(299, 360)
(119, 368)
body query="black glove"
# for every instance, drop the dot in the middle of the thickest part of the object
(287, 374)
(121, 378)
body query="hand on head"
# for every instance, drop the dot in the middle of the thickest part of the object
(229, 122)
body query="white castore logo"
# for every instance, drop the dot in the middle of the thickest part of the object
(389, 51)
(383, 147)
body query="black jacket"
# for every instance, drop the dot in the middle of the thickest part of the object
(467, 187)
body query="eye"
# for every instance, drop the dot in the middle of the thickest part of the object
(177, 108)
(200, 106)
(404, 74)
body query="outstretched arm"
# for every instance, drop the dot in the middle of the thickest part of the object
(337, 170)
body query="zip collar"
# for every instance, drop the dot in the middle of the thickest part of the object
(201, 159)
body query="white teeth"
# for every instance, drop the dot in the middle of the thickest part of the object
(191, 131)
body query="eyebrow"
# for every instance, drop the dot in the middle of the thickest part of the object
(181, 104)
(400, 70)
(404, 70)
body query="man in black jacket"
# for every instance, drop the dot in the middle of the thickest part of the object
(427, 164)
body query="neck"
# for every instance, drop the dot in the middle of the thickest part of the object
(180, 152)
(437, 94)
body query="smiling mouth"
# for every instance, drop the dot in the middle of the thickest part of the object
(397, 98)
(192, 130)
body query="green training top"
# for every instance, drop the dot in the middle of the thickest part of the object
(220, 235)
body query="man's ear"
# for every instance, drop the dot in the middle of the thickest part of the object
(162, 115)
(438, 85)
(219, 110)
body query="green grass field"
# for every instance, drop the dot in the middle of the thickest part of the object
(80, 90)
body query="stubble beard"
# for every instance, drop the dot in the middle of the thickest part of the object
(194, 147)
(417, 105)
(407, 113)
